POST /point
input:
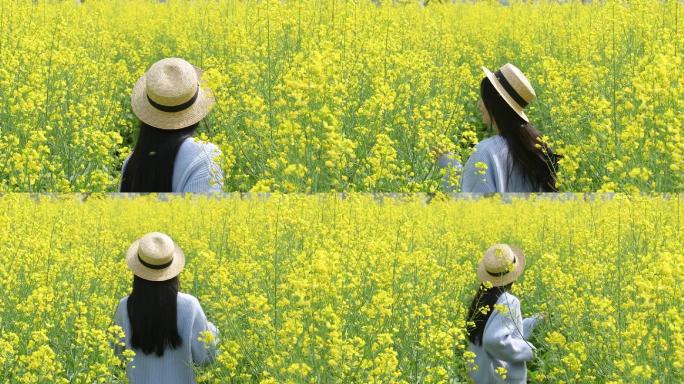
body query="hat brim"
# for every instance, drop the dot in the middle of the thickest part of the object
(150, 274)
(507, 98)
(498, 281)
(150, 115)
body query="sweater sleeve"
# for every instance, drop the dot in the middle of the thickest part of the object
(203, 353)
(476, 179)
(451, 164)
(204, 174)
(528, 326)
(119, 320)
(503, 335)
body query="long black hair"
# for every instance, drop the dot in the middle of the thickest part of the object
(536, 160)
(485, 297)
(152, 313)
(150, 167)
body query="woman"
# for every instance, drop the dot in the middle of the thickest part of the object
(514, 160)
(499, 335)
(170, 100)
(162, 326)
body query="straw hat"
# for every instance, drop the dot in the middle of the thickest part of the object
(171, 95)
(155, 257)
(513, 87)
(502, 264)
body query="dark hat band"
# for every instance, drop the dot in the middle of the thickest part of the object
(152, 266)
(510, 90)
(499, 274)
(175, 108)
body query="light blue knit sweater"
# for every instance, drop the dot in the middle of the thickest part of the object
(504, 344)
(195, 169)
(489, 169)
(176, 366)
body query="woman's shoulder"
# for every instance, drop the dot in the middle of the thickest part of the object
(489, 148)
(192, 147)
(494, 144)
(121, 311)
(508, 299)
(187, 300)
(122, 303)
